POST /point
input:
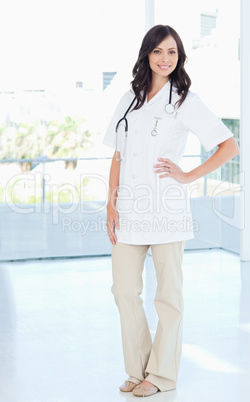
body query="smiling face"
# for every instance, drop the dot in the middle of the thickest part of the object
(164, 58)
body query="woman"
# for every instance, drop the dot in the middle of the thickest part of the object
(148, 205)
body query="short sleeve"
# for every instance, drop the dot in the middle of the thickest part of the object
(110, 135)
(203, 123)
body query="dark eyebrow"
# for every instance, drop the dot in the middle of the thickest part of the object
(174, 48)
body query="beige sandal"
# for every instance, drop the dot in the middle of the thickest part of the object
(128, 386)
(144, 390)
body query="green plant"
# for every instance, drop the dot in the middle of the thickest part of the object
(68, 138)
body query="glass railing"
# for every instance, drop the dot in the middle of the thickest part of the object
(74, 180)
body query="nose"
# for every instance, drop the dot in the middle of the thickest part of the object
(165, 57)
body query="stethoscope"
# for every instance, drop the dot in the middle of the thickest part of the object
(126, 132)
(169, 109)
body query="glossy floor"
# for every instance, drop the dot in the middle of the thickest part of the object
(60, 331)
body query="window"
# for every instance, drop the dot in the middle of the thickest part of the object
(107, 79)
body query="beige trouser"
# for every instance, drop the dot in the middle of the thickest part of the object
(158, 362)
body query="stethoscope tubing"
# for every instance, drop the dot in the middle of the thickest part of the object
(126, 131)
(125, 116)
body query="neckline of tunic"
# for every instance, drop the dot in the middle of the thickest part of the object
(158, 94)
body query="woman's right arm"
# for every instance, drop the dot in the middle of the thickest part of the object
(112, 214)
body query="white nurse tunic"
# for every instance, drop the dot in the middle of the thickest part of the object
(155, 210)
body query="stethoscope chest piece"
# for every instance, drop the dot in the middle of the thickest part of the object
(154, 132)
(169, 108)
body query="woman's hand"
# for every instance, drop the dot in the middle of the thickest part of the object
(170, 169)
(112, 223)
(226, 150)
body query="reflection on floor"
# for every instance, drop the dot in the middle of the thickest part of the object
(60, 331)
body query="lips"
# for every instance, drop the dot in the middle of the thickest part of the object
(164, 67)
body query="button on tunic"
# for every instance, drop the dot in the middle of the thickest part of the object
(155, 210)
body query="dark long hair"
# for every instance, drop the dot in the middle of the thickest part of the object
(142, 72)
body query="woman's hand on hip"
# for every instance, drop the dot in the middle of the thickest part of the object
(112, 223)
(167, 168)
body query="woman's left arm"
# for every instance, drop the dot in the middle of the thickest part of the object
(226, 150)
